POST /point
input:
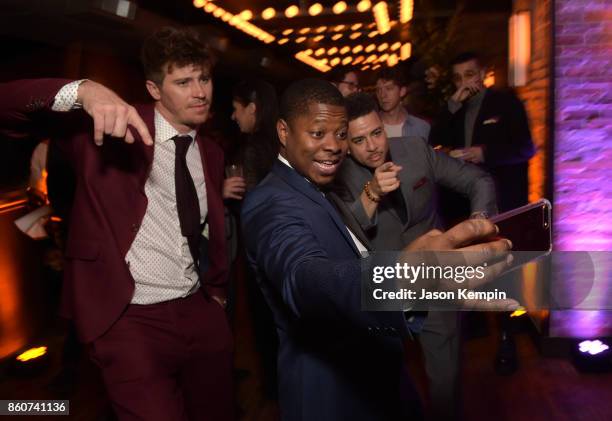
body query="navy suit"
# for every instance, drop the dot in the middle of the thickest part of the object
(335, 361)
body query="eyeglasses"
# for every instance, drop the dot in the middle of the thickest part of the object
(351, 84)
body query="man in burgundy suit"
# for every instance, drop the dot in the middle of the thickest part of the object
(146, 269)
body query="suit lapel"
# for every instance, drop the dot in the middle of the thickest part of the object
(146, 152)
(309, 190)
(480, 118)
(349, 219)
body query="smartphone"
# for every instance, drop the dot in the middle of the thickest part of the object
(528, 227)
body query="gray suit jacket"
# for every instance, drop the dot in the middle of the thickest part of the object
(423, 168)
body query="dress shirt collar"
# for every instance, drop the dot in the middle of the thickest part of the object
(164, 130)
(284, 161)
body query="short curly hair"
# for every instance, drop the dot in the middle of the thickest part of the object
(360, 104)
(299, 95)
(171, 46)
(393, 74)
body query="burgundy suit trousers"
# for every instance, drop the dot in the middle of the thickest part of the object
(170, 361)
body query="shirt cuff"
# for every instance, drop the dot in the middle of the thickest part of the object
(66, 98)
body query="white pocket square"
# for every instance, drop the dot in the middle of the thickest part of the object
(491, 120)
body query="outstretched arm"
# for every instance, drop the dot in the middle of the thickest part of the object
(21, 99)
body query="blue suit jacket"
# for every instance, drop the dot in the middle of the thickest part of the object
(335, 361)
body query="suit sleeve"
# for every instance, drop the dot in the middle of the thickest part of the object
(464, 178)
(20, 99)
(517, 146)
(313, 286)
(25, 111)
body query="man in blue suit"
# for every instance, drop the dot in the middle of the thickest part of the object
(336, 362)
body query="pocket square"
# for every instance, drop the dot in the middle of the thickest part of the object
(419, 183)
(491, 120)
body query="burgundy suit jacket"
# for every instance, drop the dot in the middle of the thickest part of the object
(109, 203)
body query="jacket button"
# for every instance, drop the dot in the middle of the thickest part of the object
(135, 227)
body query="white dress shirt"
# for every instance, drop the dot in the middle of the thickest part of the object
(159, 258)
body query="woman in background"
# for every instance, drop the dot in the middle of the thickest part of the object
(256, 111)
(255, 106)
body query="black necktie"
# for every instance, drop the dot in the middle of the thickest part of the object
(187, 202)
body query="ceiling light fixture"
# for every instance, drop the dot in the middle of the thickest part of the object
(406, 10)
(383, 47)
(317, 64)
(339, 7)
(246, 14)
(406, 51)
(315, 9)
(364, 6)
(381, 16)
(292, 11)
(268, 13)
(239, 22)
(358, 60)
(393, 60)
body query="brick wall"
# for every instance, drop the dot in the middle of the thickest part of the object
(583, 125)
(583, 146)
(536, 95)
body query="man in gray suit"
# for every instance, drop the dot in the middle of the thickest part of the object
(386, 193)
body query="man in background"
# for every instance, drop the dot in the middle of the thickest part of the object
(390, 91)
(489, 128)
(345, 79)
